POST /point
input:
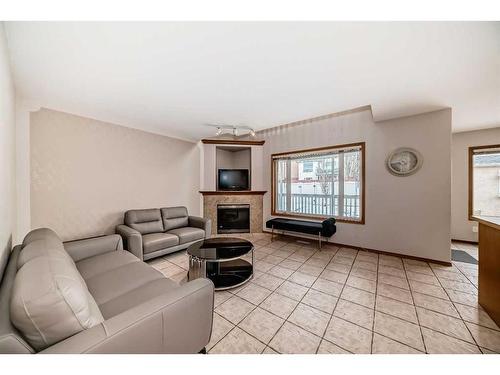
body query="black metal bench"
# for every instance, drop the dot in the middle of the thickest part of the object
(326, 228)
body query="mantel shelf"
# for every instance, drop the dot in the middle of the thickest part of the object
(239, 192)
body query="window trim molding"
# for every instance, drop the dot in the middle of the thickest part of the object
(470, 174)
(361, 220)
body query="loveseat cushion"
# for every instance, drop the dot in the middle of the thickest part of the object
(137, 296)
(174, 217)
(158, 241)
(118, 281)
(145, 221)
(188, 234)
(51, 302)
(99, 264)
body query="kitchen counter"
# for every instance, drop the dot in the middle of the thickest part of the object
(489, 265)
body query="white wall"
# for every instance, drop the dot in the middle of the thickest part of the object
(7, 152)
(405, 215)
(461, 227)
(86, 173)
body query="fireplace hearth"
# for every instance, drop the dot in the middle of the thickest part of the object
(233, 218)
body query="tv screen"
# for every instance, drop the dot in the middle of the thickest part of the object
(233, 179)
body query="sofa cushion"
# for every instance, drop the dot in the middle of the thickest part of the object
(137, 296)
(99, 264)
(174, 217)
(51, 302)
(116, 282)
(144, 221)
(188, 234)
(158, 241)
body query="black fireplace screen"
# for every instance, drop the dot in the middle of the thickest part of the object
(234, 218)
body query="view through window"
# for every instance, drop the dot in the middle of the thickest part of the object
(484, 184)
(320, 182)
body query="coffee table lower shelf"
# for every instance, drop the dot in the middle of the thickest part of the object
(224, 275)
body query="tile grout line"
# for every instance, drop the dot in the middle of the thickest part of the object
(258, 306)
(375, 307)
(460, 315)
(466, 276)
(339, 297)
(275, 291)
(336, 304)
(237, 324)
(415, 309)
(345, 283)
(286, 320)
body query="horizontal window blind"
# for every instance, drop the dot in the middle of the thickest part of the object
(315, 153)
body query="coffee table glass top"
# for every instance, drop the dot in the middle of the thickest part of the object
(220, 249)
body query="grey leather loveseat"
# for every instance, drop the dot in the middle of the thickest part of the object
(91, 296)
(154, 232)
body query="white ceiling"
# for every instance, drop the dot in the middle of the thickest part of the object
(173, 78)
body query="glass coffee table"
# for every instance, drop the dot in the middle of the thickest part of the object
(221, 260)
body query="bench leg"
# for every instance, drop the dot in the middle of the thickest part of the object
(272, 233)
(319, 239)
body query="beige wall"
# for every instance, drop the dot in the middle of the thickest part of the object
(405, 215)
(86, 173)
(7, 152)
(461, 227)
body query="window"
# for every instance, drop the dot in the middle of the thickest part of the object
(484, 181)
(322, 182)
(307, 166)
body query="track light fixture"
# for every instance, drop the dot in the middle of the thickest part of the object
(235, 131)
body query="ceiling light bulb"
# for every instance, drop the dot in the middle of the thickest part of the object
(219, 131)
(252, 133)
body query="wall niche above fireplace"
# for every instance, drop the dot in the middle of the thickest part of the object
(235, 156)
(233, 168)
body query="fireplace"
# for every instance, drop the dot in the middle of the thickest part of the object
(233, 218)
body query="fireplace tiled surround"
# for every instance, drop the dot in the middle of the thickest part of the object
(210, 203)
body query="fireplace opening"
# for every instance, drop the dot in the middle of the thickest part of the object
(233, 218)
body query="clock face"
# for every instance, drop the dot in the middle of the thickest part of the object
(404, 161)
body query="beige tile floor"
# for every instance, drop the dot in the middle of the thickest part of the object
(342, 300)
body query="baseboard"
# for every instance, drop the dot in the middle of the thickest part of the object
(465, 241)
(366, 249)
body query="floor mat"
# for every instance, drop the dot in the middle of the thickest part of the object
(462, 256)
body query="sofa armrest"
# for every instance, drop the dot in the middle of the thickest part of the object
(89, 247)
(132, 239)
(177, 322)
(202, 223)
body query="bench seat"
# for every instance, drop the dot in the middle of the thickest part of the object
(326, 228)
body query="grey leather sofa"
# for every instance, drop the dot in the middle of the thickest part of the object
(154, 232)
(91, 296)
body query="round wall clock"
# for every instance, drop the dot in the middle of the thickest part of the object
(404, 161)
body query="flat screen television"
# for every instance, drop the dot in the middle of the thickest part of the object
(233, 179)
